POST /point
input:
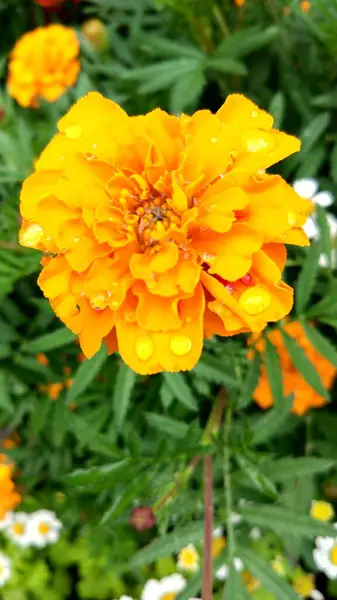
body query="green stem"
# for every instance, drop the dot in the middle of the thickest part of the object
(220, 19)
(207, 579)
(228, 485)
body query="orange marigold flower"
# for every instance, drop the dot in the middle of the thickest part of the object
(305, 6)
(42, 359)
(161, 230)
(9, 498)
(294, 383)
(239, 2)
(43, 64)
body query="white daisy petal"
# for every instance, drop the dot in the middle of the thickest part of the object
(18, 530)
(316, 595)
(222, 573)
(331, 571)
(235, 518)
(151, 590)
(323, 261)
(325, 543)
(6, 521)
(324, 199)
(217, 532)
(332, 222)
(238, 564)
(311, 229)
(255, 533)
(306, 187)
(5, 569)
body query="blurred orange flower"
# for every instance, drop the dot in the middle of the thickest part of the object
(304, 396)
(239, 2)
(9, 498)
(305, 6)
(161, 230)
(42, 359)
(43, 64)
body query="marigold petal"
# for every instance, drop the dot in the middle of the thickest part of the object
(244, 113)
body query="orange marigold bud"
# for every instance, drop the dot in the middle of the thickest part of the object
(42, 359)
(305, 6)
(161, 230)
(142, 518)
(43, 64)
(294, 383)
(95, 32)
(286, 11)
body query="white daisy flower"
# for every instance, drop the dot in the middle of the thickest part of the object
(255, 533)
(17, 530)
(163, 589)
(235, 518)
(222, 573)
(5, 569)
(325, 556)
(6, 520)
(44, 528)
(188, 559)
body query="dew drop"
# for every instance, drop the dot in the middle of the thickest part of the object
(73, 132)
(207, 256)
(291, 218)
(255, 300)
(144, 348)
(214, 140)
(181, 345)
(99, 302)
(31, 236)
(254, 114)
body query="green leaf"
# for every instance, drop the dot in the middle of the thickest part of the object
(325, 237)
(227, 65)
(212, 368)
(85, 374)
(326, 307)
(321, 343)
(283, 520)
(6, 404)
(245, 42)
(50, 341)
(176, 382)
(164, 46)
(250, 382)
(123, 387)
(272, 422)
(38, 416)
(125, 498)
(275, 377)
(313, 132)
(312, 162)
(266, 575)
(187, 91)
(106, 474)
(59, 422)
(333, 163)
(235, 587)
(258, 479)
(88, 436)
(307, 277)
(172, 427)
(304, 365)
(283, 469)
(277, 108)
(168, 544)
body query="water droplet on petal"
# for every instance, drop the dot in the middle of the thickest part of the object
(214, 140)
(73, 132)
(291, 218)
(255, 300)
(76, 240)
(254, 114)
(144, 348)
(181, 345)
(247, 279)
(31, 236)
(207, 256)
(99, 302)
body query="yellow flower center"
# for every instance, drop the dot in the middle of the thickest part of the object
(18, 528)
(323, 511)
(218, 544)
(44, 528)
(188, 558)
(155, 217)
(168, 596)
(304, 585)
(333, 555)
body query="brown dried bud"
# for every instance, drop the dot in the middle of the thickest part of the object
(142, 518)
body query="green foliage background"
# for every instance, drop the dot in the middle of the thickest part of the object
(130, 437)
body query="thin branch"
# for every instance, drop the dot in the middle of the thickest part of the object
(208, 528)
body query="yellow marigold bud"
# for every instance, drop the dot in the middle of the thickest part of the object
(321, 510)
(95, 32)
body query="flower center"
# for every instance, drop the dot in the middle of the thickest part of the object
(304, 585)
(18, 528)
(333, 555)
(188, 557)
(43, 528)
(168, 596)
(218, 544)
(323, 511)
(155, 219)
